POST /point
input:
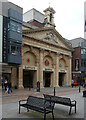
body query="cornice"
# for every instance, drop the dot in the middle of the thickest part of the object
(46, 29)
(25, 36)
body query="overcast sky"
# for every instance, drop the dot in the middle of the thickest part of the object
(69, 16)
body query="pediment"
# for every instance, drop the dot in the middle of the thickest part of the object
(49, 35)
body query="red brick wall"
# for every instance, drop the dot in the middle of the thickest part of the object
(76, 55)
(36, 23)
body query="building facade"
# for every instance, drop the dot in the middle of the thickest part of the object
(79, 60)
(10, 39)
(39, 54)
(46, 56)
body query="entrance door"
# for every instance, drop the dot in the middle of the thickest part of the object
(47, 79)
(28, 78)
(61, 79)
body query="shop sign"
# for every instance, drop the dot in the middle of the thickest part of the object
(30, 67)
(48, 69)
(46, 62)
(5, 21)
(62, 71)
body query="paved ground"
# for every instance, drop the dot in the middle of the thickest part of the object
(10, 103)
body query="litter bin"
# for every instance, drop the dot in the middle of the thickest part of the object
(84, 93)
(38, 86)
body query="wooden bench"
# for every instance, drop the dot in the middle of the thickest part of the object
(37, 104)
(61, 100)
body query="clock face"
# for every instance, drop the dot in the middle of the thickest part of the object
(46, 62)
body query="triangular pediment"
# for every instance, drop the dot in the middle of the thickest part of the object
(49, 35)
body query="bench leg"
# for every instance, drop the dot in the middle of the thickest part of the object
(44, 116)
(27, 110)
(19, 109)
(75, 108)
(52, 115)
(70, 110)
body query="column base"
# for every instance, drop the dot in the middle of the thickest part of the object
(21, 87)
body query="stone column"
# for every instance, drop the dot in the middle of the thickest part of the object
(70, 71)
(20, 78)
(14, 77)
(57, 71)
(41, 68)
(36, 74)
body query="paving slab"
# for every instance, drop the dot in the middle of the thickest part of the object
(10, 104)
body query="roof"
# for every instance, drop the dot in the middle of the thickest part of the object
(25, 32)
(77, 42)
(33, 14)
(27, 25)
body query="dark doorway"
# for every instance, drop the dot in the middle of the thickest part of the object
(28, 76)
(61, 79)
(47, 79)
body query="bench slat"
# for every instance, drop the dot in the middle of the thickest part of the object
(61, 100)
(38, 104)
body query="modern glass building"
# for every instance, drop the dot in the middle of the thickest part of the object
(10, 39)
(12, 33)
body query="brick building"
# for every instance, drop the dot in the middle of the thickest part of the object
(79, 60)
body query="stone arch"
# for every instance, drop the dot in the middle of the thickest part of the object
(48, 61)
(29, 58)
(32, 50)
(62, 63)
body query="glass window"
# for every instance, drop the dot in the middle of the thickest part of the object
(8, 26)
(19, 28)
(83, 51)
(77, 64)
(18, 50)
(13, 50)
(13, 26)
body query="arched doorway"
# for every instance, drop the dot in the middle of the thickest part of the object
(47, 79)
(62, 72)
(61, 78)
(29, 70)
(28, 78)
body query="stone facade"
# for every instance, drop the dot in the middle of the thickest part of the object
(46, 57)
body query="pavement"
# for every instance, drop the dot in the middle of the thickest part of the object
(10, 103)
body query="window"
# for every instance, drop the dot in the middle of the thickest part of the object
(83, 51)
(14, 48)
(19, 28)
(77, 64)
(14, 26)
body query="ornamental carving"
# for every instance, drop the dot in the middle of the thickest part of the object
(50, 37)
(28, 60)
(46, 62)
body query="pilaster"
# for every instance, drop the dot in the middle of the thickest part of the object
(20, 78)
(41, 68)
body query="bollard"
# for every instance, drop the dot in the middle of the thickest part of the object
(79, 89)
(54, 91)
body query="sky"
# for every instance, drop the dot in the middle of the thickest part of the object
(69, 16)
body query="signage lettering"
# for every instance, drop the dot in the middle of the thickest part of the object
(5, 39)
(30, 67)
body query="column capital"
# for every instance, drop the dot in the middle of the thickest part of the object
(41, 50)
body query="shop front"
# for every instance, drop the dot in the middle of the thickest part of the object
(29, 76)
(47, 77)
